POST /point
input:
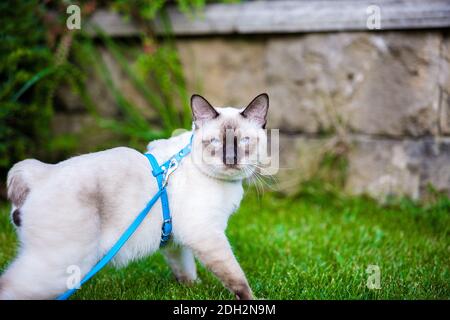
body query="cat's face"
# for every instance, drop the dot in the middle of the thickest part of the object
(228, 142)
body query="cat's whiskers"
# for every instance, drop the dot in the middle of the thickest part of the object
(258, 180)
(262, 178)
(251, 179)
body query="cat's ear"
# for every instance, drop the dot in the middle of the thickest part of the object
(202, 110)
(257, 110)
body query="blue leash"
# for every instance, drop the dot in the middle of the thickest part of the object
(162, 174)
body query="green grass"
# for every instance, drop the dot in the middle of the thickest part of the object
(313, 246)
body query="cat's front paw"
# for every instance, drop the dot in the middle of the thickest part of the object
(244, 293)
(187, 280)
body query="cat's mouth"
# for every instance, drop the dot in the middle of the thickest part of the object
(235, 167)
(235, 170)
(232, 167)
(226, 172)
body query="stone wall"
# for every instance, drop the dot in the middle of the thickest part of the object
(385, 94)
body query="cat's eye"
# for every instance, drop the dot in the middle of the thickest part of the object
(215, 142)
(245, 140)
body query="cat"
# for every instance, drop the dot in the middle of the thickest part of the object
(71, 213)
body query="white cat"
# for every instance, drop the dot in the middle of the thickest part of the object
(72, 212)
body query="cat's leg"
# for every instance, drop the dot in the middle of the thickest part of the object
(215, 253)
(181, 261)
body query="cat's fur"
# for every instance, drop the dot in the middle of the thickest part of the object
(71, 213)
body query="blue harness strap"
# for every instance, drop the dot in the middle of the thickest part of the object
(161, 173)
(166, 228)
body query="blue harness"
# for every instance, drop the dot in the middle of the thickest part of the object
(162, 174)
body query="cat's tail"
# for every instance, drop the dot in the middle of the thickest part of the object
(22, 177)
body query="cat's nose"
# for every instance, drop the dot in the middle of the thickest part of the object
(231, 160)
(230, 156)
(230, 152)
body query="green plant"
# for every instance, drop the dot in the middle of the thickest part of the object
(29, 74)
(155, 72)
(38, 54)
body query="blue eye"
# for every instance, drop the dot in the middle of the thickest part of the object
(215, 142)
(245, 140)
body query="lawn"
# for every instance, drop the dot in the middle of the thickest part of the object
(313, 246)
